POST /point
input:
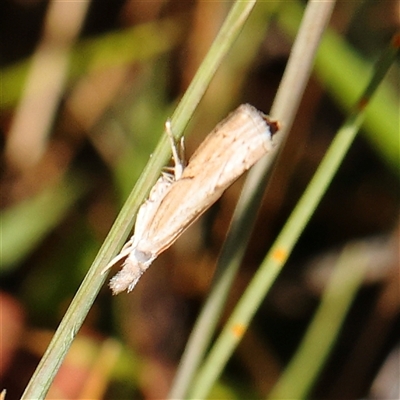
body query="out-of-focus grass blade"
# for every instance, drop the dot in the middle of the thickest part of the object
(298, 378)
(143, 41)
(25, 224)
(344, 73)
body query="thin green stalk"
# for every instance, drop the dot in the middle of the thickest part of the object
(276, 257)
(86, 294)
(299, 376)
(285, 106)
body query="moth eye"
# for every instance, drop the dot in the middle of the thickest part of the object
(142, 256)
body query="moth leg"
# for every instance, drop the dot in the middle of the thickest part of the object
(177, 155)
(125, 251)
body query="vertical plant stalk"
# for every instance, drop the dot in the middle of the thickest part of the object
(51, 361)
(276, 257)
(284, 109)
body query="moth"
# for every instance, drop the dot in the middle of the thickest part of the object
(179, 198)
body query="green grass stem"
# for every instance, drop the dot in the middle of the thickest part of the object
(86, 294)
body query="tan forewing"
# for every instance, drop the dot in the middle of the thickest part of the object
(227, 152)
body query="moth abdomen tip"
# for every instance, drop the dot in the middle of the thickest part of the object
(124, 280)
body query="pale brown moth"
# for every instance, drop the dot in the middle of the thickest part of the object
(179, 199)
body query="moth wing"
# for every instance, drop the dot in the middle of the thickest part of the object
(227, 152)
(149, 207)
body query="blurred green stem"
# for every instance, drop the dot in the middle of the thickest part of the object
(277, 256)
(284, 108)
(298, 377)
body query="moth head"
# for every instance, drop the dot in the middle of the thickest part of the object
(136, 263)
